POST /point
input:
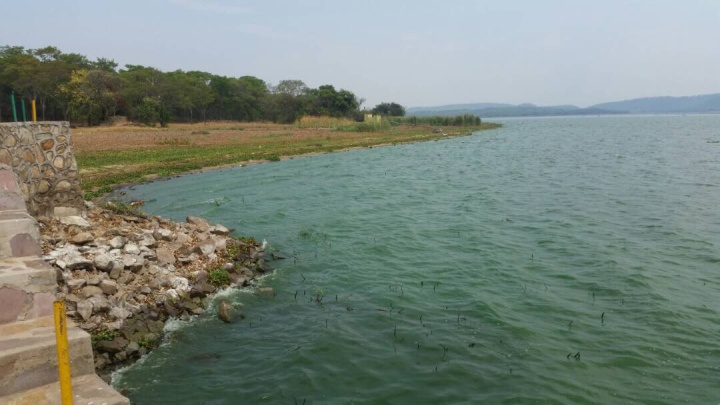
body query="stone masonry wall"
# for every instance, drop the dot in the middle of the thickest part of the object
(41, 155)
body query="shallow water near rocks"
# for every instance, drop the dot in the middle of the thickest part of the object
(558, 260)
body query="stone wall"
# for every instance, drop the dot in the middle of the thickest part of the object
(41, 155)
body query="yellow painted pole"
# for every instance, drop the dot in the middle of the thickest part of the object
(63, 353)
(34, 111)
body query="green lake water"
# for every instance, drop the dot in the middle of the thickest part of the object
(552, 261)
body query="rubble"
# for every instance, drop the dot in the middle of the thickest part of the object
(124, 276)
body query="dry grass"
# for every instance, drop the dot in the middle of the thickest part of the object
(323, 122)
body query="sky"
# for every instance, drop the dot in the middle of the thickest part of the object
(416, 53)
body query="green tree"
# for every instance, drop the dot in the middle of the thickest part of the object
(325, 100)
(389, 109)
(294, 88)
(91, 96)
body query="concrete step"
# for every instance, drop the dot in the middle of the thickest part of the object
(19, 234)
(28, 358)
(27, 289)
(88, 389)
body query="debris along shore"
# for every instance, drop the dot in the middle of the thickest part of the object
(123, 274)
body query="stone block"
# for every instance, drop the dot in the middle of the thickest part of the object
(19, 235)
(29, 360)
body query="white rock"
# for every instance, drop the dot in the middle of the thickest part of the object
(181, 284)
(147, 240)
(108, 287)
(163, 234)
(84, 308)
(100, 304)
(120, 313)
(103, 262)
(118, 242)
(75, 220)
(220, 243)
(172, 294)
(75, 284)
(219, 230)
(131, 249)
(206, 247)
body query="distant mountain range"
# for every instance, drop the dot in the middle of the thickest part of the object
(707, 103)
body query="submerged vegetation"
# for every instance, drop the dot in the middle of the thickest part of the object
(466, 120)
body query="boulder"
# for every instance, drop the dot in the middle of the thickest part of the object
(132, 348)
(82, 238)
(100, 304)
(75, 220)
(85, 309)
(163, 234)
(131, 249)
(165, 256)
(117, 269)
(220, 243)
(226, 312)
(116, 345)
(120, 313)
(182, 238)
(103, 262)
(202, 224)
(219, 230)
(77, 262)
(147, 241)
(93, 280)
(90, 291)
(133, 263)
(109, 287)
(76, 283)
(117, 242)
(205, 247)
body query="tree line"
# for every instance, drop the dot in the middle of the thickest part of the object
(69, 86)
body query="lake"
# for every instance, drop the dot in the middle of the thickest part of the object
(552, 261)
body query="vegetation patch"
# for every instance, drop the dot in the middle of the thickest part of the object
(123, 208)
(219, 277)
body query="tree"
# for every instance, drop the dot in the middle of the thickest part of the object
(92, 96)
(293, 88)
(389, 109)
(325, 100)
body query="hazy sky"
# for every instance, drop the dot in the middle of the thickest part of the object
(413, 52)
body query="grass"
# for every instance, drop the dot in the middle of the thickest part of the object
(123, 209)
(219, 277)
(323, 122)
(112, 156)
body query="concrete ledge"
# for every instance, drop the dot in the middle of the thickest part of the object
(27, 289)
(88, 389)
(28, 358)
(19, 235)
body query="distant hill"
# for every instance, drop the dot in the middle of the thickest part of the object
(708, 103)
(691, 104)
(506, 110)
(454, 107)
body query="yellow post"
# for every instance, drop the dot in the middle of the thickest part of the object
(63, 353)
(34, 112)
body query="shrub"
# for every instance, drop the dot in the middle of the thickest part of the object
(123, 209)
(219, 277)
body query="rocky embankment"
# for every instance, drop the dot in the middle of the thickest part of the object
(124, 274)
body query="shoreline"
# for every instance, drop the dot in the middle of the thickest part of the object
(102, 183)
(124, 275)
(113, 297)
